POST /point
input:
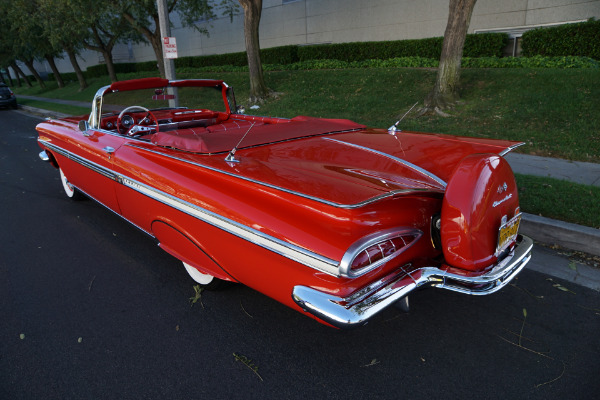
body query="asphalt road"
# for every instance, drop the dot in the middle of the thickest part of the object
(91, 308)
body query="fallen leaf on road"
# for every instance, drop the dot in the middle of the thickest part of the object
(373, 362)
(561, 287)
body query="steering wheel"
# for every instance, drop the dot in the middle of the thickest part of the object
(139, 129)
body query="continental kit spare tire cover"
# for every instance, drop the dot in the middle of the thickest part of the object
(481, 193)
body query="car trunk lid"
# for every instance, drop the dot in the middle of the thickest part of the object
(353, 168)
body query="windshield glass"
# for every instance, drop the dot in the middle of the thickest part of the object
(206, 98)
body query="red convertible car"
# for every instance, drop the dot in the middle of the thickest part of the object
(333, 219)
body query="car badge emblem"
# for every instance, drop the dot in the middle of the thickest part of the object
(502, 188)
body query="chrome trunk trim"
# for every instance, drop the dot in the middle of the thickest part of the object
(358, 308)
(391, 193)
(509, 149)
(398, 160)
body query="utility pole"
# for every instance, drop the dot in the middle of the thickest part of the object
(165, 31)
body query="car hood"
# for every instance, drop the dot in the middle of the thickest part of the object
(353, 168)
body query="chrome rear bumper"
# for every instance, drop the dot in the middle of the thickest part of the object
(355, 310)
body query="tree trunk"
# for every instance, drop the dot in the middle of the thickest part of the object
(75, 64)
(35, 74)
(18, 72)
(252, 13)
(10, 77)
(105, 50)
(110, 66)
(108, 59)
(152, 37)
(445, 92)
(57, 77)
(156, 43)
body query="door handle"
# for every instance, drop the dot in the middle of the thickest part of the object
(109, 150)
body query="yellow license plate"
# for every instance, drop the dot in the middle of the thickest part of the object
(507, 233)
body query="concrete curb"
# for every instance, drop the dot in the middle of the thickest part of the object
(38, 112)
(551, 263)
(564, 234)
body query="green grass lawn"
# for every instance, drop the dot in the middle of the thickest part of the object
(556, 112)
(558, 199)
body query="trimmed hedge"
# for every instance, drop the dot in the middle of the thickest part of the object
(397, 62)
(531, 62)
(484, 45)
(66, 76)
(96, 71)
(480, 45)
(582, 39)
(413, 62)
(476, 45)
(120, 68)
(273, 55)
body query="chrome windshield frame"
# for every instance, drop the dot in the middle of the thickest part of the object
(96, 113)
(98, 102)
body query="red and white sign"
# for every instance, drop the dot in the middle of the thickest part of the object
(170, 47)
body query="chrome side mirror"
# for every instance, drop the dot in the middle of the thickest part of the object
(84, 125)
(240, 110)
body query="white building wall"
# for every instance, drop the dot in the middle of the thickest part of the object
(306, 22)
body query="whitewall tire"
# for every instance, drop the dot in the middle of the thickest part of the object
(70, 190)
(207, 281)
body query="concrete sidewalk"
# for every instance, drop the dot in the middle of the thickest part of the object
(85, 104)
(574, 171)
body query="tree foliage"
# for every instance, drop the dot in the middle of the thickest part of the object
(99, 30)
(142, 15)
(26, 34)
(67, 37)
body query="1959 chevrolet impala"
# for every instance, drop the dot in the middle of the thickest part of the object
(326, 216)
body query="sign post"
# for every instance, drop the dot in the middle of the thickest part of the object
(165, 31)
(170, 47)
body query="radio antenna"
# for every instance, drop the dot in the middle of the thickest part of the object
(394, 128)
(231, 156)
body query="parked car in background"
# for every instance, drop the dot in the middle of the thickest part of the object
(331, 218)
(7, 97)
